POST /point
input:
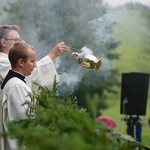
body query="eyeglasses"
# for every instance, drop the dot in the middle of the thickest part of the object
(16, 40)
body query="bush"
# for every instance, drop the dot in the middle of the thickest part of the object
(61, 125)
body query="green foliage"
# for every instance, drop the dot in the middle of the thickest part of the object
(60, 124)
(91, 91)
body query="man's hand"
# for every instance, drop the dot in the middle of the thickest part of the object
(58, 50)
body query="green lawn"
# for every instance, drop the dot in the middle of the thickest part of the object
(130, 30)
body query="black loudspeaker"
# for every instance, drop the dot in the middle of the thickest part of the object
(134, 93)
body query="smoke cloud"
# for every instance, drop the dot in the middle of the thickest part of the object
(46, 23)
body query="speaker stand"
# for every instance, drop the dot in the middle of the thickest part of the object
(134, 132)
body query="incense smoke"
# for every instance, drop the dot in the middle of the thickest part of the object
(44, 25)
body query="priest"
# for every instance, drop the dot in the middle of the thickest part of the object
(44, 72)
(23, 60)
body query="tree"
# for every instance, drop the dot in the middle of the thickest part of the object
(45, 23)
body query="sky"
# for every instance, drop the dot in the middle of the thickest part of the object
(116, 3)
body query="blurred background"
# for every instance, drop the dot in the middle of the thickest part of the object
(117, 33)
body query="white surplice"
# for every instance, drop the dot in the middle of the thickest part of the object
(12, 108)
(3, 98)
(43, 74)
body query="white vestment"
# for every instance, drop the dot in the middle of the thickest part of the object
(12, 108)
(43, 74)
(3, 98)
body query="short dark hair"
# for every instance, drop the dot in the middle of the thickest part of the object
(17, 51)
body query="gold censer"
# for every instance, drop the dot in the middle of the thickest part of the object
(86, 59)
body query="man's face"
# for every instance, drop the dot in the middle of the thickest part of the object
(30, 63)
(12, 38)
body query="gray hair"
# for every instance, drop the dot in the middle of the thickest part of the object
(5, 29)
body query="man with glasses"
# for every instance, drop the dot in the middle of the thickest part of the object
(16, 40)
(44, 72)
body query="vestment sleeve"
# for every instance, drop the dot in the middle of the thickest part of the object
(4, 67)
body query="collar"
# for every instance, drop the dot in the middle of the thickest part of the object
(10, 75)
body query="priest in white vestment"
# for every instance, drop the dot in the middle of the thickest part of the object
(44, 72)
(23, 60)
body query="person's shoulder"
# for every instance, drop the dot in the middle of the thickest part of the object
(4, 57)
(12, 83)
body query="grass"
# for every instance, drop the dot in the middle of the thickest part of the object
(130, 30)
(114, 112)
